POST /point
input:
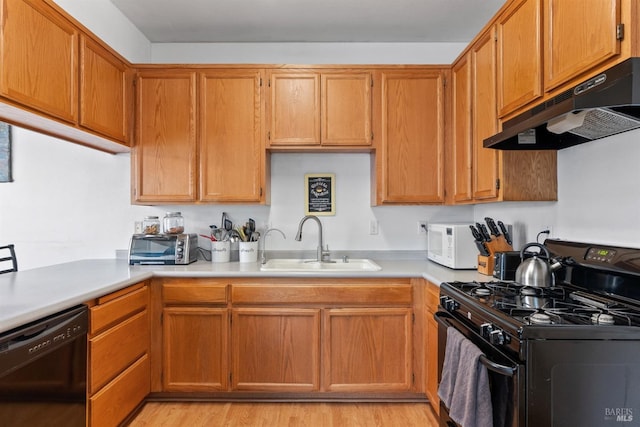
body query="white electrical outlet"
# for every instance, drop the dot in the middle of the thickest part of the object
(373, 227)
(422, 227)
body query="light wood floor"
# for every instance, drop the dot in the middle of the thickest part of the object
(197, 414)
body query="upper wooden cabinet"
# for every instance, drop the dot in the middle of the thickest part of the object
(346, 109)
(211, 115)
(106, 88)
(484, 122)
(39, 66)
(410, 149)
(578, 37)
(519, 66)
(460, 146)
(547, 46)
(308, 108)
(495, 175)
(164, 165)
(295, 109)
(232, 157)
(58, 79)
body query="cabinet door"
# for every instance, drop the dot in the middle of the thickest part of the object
(195, 349)
(231, 151)
(519, 55)
(276, 349)
(432, 300)
(165, 150)
(367, 349)
(461, 134)
(579, 36)
(484, 121)
(294, 109)
(105, 91)
(412, 137)
(39, 60)
(346, 109)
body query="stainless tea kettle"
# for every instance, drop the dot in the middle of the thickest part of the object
(536, 271)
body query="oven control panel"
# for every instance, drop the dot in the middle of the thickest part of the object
(600, 254)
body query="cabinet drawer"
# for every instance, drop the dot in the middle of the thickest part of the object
(121, 396)
(112, 311)
(194, 292)
(323, 294)
(114, 350)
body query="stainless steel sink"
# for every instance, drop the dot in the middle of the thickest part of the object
(293, 264)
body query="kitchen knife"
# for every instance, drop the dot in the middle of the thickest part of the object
(479, 241)
(492, 226)
(505, 232)
(484, 232)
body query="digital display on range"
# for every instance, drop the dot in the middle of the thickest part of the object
(600, 254)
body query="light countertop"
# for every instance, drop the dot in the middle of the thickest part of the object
(29, 295)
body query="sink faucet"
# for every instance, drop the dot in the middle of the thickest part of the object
(322, 255)
(263, 256)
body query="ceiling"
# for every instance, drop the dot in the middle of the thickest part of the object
(209, 21)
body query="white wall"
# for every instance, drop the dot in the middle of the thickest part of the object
(69, 202)
(66, 201)
(107, 22)
(598, 196)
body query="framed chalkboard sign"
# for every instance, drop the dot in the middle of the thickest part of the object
(320, 194)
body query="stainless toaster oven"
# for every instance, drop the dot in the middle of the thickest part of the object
(163, 249)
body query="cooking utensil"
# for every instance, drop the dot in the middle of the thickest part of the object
(484, 232)
(505, 232)
(501, 243)
(536, 271)
(479, 241)
(227, 224)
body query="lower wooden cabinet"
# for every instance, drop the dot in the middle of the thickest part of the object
(195, 349)
(310, 337)
(367, 349)
(276, 349)
(119, 371)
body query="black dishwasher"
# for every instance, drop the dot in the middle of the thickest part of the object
(43, 371)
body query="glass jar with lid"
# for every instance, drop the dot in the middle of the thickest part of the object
(173, 223)
(151, 225)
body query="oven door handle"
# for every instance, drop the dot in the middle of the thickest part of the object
(508, 371)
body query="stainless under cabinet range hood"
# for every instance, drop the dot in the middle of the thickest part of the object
(604, 105)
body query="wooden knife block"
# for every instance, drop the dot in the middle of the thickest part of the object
(486, 264)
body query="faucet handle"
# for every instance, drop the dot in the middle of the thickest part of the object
(326, 254)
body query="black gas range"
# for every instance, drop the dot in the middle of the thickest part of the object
(568, 354)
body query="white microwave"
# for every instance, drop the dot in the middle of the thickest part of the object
(452, 245)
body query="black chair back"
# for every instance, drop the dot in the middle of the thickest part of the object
(8, 258)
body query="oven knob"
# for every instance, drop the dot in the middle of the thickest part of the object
(486, 329)
(496, 337)
(449, 303)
